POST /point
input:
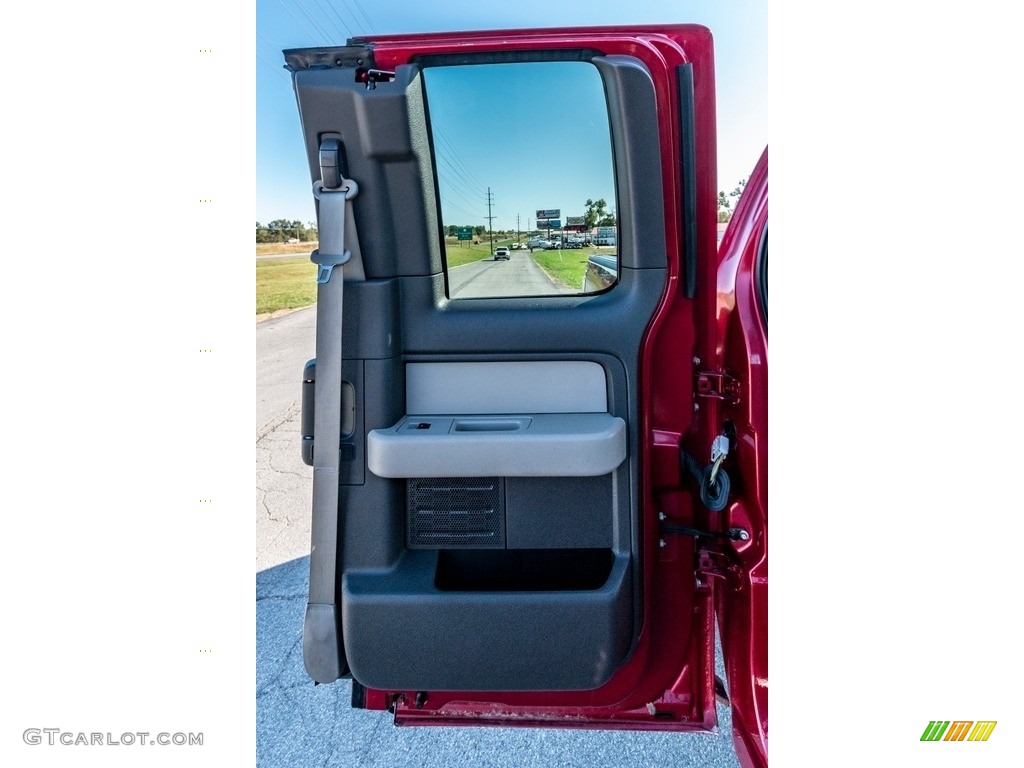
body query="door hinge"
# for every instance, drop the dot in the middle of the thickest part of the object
(718, 385)
(713, 564)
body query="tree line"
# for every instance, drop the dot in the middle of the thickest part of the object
(282, 230)
(452, 230)
(596, 215)
(725, 205)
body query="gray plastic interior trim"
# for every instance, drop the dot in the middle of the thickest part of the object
(402, 630)
(639, 193)
(537, 445)
(407, 634)
(555, 386)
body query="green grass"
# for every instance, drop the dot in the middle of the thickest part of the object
(465, 252)
(570, 264)
(566, 266)
(285, 284)
(291, 283)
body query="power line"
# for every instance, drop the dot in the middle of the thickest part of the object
(454, 182)
(447, 155)
(452, 188)
(458, 170)
(369, 24)
(490, 219)
(502, 213)
(312, 35)
(277, 70)
(327, 35)
(275, 46)
(449, 147)
(449, 209)
(452, 197)
(326, 14)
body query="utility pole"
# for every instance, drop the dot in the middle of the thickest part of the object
(490, 218)
(517, 227)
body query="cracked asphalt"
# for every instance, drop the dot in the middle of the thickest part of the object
(283, 483)
(299, 725)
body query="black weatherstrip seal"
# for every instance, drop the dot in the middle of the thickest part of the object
(688, 173)
(762, 273)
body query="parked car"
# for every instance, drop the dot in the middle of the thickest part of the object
(602, 272)
(502, 253)
(535, 511)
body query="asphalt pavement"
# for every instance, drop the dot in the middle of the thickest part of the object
(299, 724)
(518, 276)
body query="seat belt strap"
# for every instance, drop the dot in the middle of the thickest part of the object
(321, 640)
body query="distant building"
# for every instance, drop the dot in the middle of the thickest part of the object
(605, 235)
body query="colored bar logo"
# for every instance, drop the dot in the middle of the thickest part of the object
(958, 730)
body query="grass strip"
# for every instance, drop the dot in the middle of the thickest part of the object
(566, 266)
(285, 284)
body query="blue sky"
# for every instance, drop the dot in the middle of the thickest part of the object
(533, 136)
(282, 181)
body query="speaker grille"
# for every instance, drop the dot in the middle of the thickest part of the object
(456, 512)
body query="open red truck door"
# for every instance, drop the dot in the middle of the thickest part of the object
(535, 477)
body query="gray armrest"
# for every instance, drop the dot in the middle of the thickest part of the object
(530, 445)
